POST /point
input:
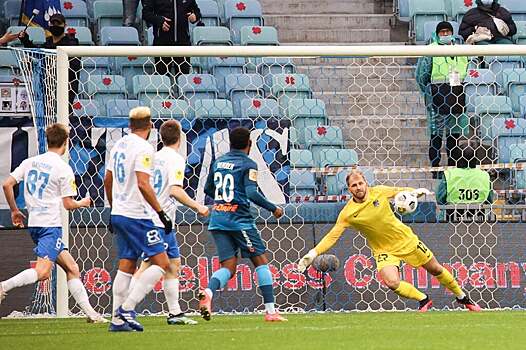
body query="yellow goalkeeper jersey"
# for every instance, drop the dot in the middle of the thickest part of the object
(375, 220)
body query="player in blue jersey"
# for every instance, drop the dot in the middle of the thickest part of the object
(232, 183)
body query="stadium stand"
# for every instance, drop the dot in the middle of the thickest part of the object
(257, 35)
(239, 14)
(241, 86)
(260, 108)
(76, 13)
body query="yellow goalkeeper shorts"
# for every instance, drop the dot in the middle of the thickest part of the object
(418, 257)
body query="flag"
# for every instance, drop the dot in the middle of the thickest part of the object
(46, 9)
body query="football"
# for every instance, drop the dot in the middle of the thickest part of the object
(405, 203)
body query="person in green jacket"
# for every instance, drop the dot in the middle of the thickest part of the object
(440, 80)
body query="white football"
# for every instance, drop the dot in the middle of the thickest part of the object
(405, 203)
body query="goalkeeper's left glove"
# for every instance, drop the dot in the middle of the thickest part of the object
(307, 260)
(419, 192)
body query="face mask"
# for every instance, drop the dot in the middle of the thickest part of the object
(56, 30)
(445, 40)
(487, 3)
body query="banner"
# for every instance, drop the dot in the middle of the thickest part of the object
(46, 9)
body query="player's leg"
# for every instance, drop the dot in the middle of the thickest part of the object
(76, 287)
(145, 263)
(41, 272)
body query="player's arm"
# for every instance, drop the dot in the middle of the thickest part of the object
(146, 189)
(68, 190)
(180, 194)
(209, 184)
(251, 189)
(390, 192)
(16, 215)
(108, 186)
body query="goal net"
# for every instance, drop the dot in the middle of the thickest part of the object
(314, 113)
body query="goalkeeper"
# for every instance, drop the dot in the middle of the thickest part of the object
(391, 242)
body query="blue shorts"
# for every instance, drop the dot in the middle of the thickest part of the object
(228, 243)
(48, 242)
(135, 236)
(170, 245)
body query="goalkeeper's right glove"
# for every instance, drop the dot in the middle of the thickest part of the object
(307, 260)
(167, 222)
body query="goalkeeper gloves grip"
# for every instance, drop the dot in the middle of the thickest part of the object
(419, 192)
(167, 222)
(307, 260)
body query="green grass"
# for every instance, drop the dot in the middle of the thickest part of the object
(386, 331)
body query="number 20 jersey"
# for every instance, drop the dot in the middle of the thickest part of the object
(47, 179)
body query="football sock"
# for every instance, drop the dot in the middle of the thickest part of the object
(265, 286)
(219, 279)
(120, 292)
(132, 284)
(143, 286)
(24, 278)
(80, 295)
(447, 280)
(407, 290)
(171, 293)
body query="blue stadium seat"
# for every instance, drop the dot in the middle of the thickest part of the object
(318, 138)
(269, 66)
(301, 158)
(459, 9)
(242, 86)
(518, 155)
(131, 66)
(36, 34)
(288, 86)
(514, 85)
(306, 112)
(107, 13)
(86, 108)
(403, 10)
(294, 138)
(302, 183)
(197, 86)
(498, 64)
(76, 13)
(491, 107)
(209, 12)
(430, 28)
(517, 8)
(12, 11)
(91, 66)
(421, 12)
(220, 67)
(8, 63)
(170, 109)
(148, 87)
(508, 132)
(259, 35)
(478, 82)
(337, 157)
(241, 13)
(83, 34)
(211, 36)
(149, 36)
(104, 88)
(213, 109)
(120, 108)
(522, 103)
(257, 108)
(119, 36)
(520, 37)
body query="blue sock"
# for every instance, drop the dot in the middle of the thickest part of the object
(219, 279)
(265, 283)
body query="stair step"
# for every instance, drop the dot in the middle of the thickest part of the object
(319, 6)
(340, 22)
(335, 36)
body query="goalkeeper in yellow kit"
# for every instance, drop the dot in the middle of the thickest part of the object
(391, 242)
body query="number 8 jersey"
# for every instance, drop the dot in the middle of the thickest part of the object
(47, 179)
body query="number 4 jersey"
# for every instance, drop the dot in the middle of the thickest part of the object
(47, 179)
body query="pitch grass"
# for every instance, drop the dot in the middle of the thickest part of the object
(389, 331)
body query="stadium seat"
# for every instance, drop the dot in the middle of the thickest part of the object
(211, 36)
(8, 63)
(213, 109)
(430, 28)
(120, 108)
(318, 138)
(76, 13)
(170, 109)
(36, 34)
(337, 157)
(488, 108)
(288, 86)
(294, 138)
(306, 112)
(514, 85)
(149, 36)
(242, 86)
(115, 36)
(520, 37)
(518, 155)
(459, 9)
(517, 8)
(104, 88)
(259, 35)
(241, 13)
(12, 12)
(91, 66)
(522, 103)
(259, 108)
(269, 66)
(421, 12)
(403, 10)
(478, 82)
(131, 66)
(148, 87)
(220, 67)
(197, 86)
(301, 158)
(302, 183)
(83, 34)
(107, 13)
(86, 108)
(508, 132)
(209, 12)
(498, 64)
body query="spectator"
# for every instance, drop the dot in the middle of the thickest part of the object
(488, 23)
(8, 37)
(129, 8)
(440, 81)
(170, 28)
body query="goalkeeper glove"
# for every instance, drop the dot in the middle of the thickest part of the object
(167, 222)
(307, 260)
(419, 192)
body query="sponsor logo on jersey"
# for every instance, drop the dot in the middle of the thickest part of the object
(179, 175)
(253, 174)
(227, 207)
(376, 203)
(147, 161)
